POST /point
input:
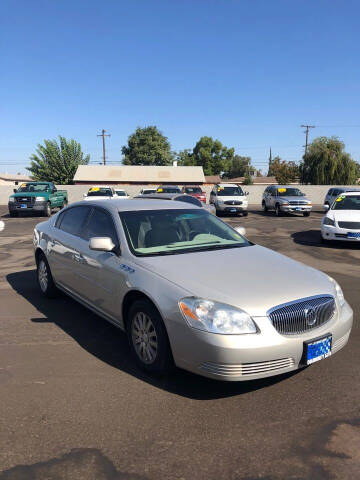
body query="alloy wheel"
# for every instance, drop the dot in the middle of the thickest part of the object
(144, 338)
(43, 276)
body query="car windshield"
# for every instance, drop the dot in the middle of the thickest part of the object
(344, 202)
(34, 187)
(229, 191)
(100, 192)
(289, 192)
(148, 192)
(168, 190)
(171, 232)
(120, 193)
(193, 190)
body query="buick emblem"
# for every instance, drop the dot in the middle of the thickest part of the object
(310, 316)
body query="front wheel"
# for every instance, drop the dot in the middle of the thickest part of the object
(44, 278)
(277, 210)
(148, 338)
(47, 211)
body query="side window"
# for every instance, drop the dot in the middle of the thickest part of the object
(100, 224)
(336, 192)
(73, 220)
(330, 192)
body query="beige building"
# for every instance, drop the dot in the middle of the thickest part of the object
(138, 175)
(13, 178)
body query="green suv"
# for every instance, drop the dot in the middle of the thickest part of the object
(37, 197)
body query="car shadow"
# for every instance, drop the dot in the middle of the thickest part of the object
(109, 344)
(313, 238)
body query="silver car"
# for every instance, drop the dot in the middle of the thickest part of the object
(285, 199)
(152, 268)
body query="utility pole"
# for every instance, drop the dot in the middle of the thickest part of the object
(307, 128)
(103, 142)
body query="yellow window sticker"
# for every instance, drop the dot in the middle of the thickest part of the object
(160, 190)
(94, 189)
(220, 188)
(23, 185)
(340, 199)
(281, 190)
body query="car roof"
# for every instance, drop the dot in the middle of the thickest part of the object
(136, 204)
(352, 192)
(168, 186)
(229, 184)
(100, 186)
(287, 186)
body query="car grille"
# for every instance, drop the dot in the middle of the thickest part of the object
(245, 369)
(233, 202)
(303, 315)
(25, 200)
(296, 202)
(350, 225)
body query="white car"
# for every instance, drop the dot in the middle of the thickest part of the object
(342, 221)
(100, 192)
(121, 193)
(229, 198)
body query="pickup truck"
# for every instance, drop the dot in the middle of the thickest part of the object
(37, 197)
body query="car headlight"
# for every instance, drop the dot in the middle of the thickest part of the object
(339, 292)
(216, 317)
(39, 199)
(284, 204)
(11, 199)
(329, 221)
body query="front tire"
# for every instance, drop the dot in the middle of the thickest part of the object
(47, 211)
(277, 210)
(44, 278)
(148, 338)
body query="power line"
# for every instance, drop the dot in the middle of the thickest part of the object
(103, 142)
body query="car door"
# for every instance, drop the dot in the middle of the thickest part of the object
(63, 246)
(103, 275)
(271, 198)
(213, 195)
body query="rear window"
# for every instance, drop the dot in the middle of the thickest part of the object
(73, 220)
(192, 190)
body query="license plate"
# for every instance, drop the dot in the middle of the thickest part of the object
(232, 210)
(297, 208)
(319, 349)
(23, 205)
(353, 235)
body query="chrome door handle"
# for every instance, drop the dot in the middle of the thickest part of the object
(77, 257)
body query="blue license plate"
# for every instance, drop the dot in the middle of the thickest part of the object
(232, 210)
(23, 205)
(318, 349)
(297, 208)
(353, 235)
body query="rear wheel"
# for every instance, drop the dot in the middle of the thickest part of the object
(44, 278)
(148, 338)
(264, 207)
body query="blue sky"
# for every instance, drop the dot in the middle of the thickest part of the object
(246, 72)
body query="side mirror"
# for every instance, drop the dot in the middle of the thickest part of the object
(326, 207)
(246, 193)
(101, 244)
(241, 230)
(84, 195)
(14, 190)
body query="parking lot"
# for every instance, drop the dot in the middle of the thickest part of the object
(74, 405)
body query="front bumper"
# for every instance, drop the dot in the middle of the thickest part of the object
(222, 207)
(36, 207)
(329, 232)
(295, 208)
(252, 356)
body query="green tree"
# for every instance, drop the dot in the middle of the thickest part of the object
(147, 146)
(185, 158)
(327, 163)
(240, 167)
(57, 161)
(212, 155)
(284, 172)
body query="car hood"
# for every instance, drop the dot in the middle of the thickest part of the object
(293, 199)
(100, 197)
(253, 278)
(28, 194)
(344, 215)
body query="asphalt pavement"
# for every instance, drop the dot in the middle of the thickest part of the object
(73, 404)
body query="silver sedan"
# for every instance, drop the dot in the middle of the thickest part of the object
(189, 290)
